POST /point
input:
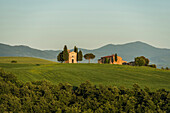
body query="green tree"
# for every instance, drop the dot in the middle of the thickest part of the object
(75, 49)
(80, 56)
(89, 56)
(116, 57)
(107, 60)
(60, 57)
(146, 60)
(65, 53)
(139, 61)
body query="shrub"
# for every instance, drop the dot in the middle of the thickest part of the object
(167, 68)
(13, 61)
(152, 65)
(37, 64)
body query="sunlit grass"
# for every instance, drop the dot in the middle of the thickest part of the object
(105, 74)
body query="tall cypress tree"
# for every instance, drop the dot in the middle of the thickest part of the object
(75, 49)
(116, 57)
(80, 56)
(65, 53)
(60, 57)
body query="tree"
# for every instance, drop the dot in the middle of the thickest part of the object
(106, 60)
(116, 57)
(146, 60)
(80, 56)
(89, 56)
(139, 61)
(75, 49)
(65, 53)
(60, 57)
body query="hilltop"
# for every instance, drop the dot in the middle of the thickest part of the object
(127, 51)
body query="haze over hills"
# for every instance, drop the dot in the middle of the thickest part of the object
(128, 51)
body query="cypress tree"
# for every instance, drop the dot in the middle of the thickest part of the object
(75, 49)
(80, 56)
(106, 61)
(65, 53)
(116, 57)
(60, 57)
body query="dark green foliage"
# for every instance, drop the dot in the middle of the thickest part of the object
(42, 96)
(116, 57)
(107, 61)
(141, 61)
(75, 49)
(65, 53)
(80, 56)
(167, 68)
(60, 57)
(112, 60)
(153, 66)
(13, 61)
(89, 56)
(37, 64)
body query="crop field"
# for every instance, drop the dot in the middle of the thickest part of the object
(27, 70)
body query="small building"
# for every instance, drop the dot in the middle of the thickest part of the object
(72, 57)
(111, 60)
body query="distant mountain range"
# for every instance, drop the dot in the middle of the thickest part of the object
(128, 52)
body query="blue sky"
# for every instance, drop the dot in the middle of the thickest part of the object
(50, 24)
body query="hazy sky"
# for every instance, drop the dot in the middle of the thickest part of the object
(50, 24)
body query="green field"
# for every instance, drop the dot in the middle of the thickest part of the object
(25, 60)
(27, 70)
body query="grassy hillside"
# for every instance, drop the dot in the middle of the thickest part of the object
(25, 60)
(75, 74)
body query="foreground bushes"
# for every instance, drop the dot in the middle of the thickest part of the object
(42, 96)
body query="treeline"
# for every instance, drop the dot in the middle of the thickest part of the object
(142, 61)
(43, 96)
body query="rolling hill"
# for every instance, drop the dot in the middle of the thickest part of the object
(75, 74)
(127, 51)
